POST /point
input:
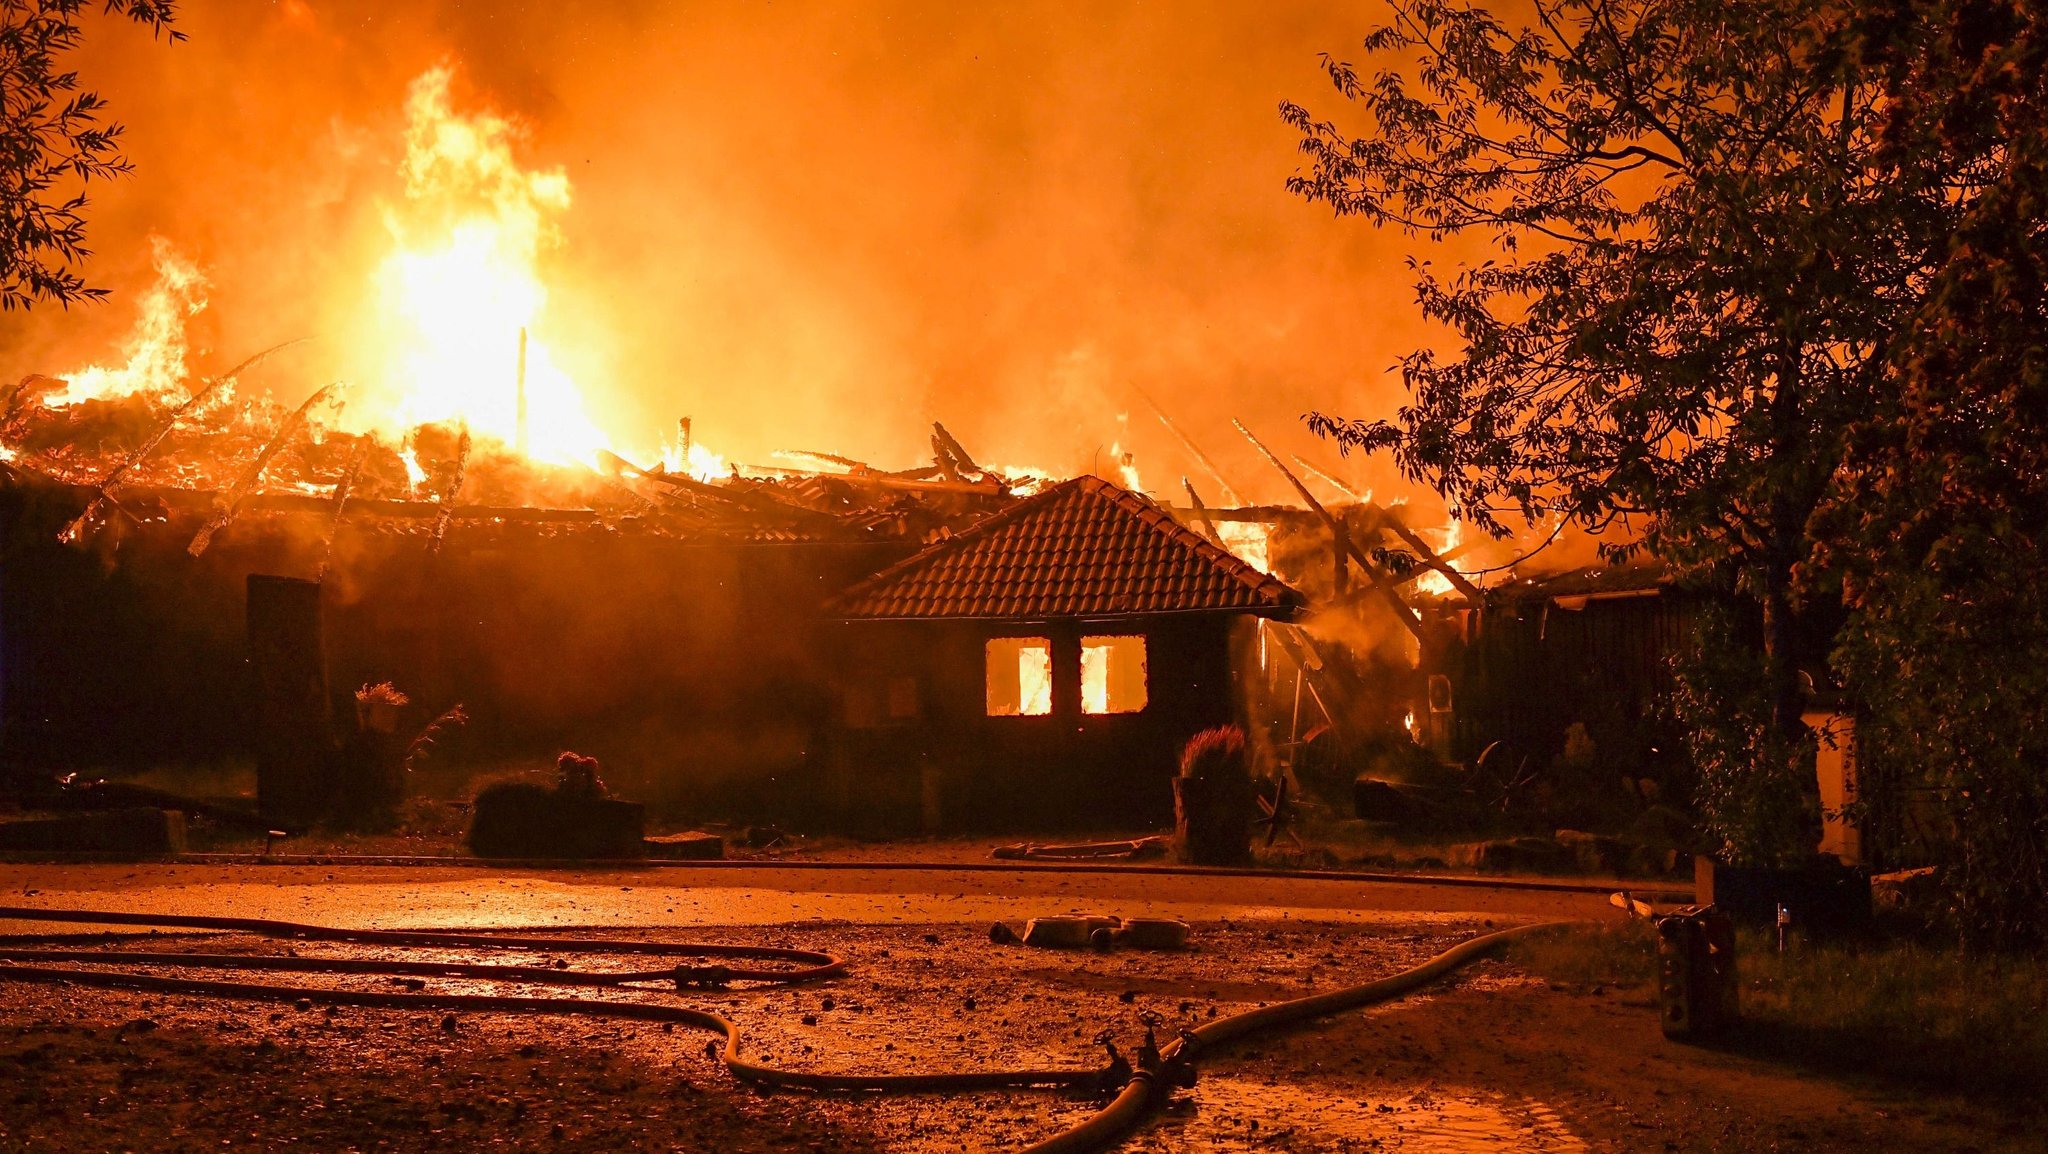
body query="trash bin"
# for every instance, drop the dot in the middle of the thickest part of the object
(1697, 989)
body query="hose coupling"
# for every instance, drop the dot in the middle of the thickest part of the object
(1117, 1074)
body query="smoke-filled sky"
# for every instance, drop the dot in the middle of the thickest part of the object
(803, 225)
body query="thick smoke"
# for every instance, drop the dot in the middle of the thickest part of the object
(801, 225)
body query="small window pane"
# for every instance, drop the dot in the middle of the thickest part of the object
(1113, 674)
(1019, 676)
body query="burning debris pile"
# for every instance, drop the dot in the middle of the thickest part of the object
(210, 455)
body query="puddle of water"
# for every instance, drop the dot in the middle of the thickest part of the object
(1224, 1114)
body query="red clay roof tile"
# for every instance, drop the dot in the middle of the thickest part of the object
(1085, 548)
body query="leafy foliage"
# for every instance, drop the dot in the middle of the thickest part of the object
(1769, 287)
(1758, 804)
(1698, 268)
(53, 143)
(1941, 519)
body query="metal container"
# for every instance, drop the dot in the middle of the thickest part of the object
(1697, 988)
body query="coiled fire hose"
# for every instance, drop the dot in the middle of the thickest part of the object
(1138, 1090)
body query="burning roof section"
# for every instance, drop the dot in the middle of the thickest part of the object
(1084, 548)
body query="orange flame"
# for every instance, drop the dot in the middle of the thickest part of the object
(1433, 583)
(462, 282)
(1250, 540)
(155, 349)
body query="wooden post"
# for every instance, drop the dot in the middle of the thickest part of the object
(1066, 670)
(521, 417)
(294, 727)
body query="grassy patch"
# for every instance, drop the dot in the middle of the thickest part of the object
(1618, 954)
(1930, 1018)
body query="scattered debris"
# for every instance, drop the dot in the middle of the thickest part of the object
(1135, 849)
(692, 846)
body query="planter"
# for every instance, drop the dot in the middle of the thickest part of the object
(520, 820)
(378, 716)
(1212, 820)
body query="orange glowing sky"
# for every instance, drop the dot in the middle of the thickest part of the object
(803, 225)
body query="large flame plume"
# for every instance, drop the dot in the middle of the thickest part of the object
(460, 300)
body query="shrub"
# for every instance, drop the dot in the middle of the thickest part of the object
(1216, 754)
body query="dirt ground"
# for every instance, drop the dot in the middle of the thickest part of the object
(1495, 1060)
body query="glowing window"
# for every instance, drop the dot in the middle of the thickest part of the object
(1019, 676)
(1113, 674)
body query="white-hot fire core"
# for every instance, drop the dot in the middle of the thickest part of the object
(462, 281)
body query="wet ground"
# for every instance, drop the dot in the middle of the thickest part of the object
(401, 896)
(1493, 1061)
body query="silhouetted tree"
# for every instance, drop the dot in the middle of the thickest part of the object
(1699, 268)
(53, 143)
(1941, 516)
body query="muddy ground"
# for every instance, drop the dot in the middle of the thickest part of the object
(1495, 1060)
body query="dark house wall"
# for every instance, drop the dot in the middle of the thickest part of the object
(953, 766)
(688, 667)
(1523, 672)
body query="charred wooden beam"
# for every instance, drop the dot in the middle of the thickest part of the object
(961, 460)
(1202, 512)
(1402, 611)
(447, 497)
(341, 491)
(1201, 458)
(229, 501)
(1429, 556)
(1263, 514)
(988, 488)
(1327, 478)
(94, 508)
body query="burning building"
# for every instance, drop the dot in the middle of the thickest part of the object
(819, 637)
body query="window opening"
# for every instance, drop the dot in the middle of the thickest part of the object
(1113, 674)
(1019, 676)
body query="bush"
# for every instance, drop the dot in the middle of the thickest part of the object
(1757, 797)
(1948, 661)
(522, 819)
(1216, 754)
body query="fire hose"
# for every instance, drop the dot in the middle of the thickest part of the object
(1137, 1089)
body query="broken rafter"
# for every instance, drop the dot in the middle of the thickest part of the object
(984, 488)
(1402, 611)
(829, 458)
(229, 501)
(753, 499)
(1428, 556)
(948, 466)
(341, 491)
(447, 498)
(191, 500)
(95, 507)
(1326, 478)
(1201, 458)
(708, 508)
(1202, 512)
(951, 444)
